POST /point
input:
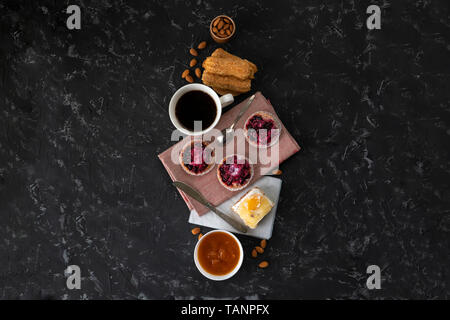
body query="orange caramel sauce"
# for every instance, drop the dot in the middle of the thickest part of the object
(218, 253)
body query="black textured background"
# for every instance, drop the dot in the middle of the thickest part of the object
(83, 115)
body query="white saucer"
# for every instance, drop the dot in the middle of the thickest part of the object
(271, 187)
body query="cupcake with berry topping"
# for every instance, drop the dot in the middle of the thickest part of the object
(262, 129)
(196, 158)
(234, 172)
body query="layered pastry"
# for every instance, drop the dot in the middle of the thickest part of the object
(227, 73)
(196, 158)
(253, 207)
(234, 172)
(262, 129)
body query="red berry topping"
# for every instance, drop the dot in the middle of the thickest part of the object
(260, 129)
(234, 172)
(194, 158)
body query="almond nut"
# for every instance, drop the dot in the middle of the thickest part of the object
(198, 72)
(201, 45)
(263, 243)
(200, 235)
(228, 32)
(277, 172)
(263, 264)
(254, 253)
(222, 32)
(185, 73)
(195, 231)
(216, 22)
(220, 25)
(189, 78)
(193, 52)
(259, 249)
(215, 30)
(193, 62)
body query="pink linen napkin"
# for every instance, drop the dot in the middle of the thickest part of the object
(208, 184)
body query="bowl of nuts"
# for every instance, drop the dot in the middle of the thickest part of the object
(222, 28)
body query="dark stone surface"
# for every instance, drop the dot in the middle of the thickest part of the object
(84, 114)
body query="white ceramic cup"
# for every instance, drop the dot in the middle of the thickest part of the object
(220, 102)
(225, 276)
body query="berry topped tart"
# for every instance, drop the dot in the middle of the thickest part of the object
(196, 158)
(262, 129)
(235, 172)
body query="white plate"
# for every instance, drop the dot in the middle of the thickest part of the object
(271, 187)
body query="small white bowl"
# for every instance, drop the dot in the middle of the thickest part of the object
(212, 276)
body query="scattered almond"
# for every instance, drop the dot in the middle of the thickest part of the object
(263, 243)
(198, 72)
(201, 45)
(193, 62)
(254, 253)
(200, 235)
(263, 264)
(189, 78)
(193, 52)
(185, 73)
(195, 231)
(277, 172)
(259, 249)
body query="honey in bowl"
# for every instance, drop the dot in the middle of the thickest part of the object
(218, 253)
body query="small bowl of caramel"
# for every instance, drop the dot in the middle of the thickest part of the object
(222, 28)
(218, 255)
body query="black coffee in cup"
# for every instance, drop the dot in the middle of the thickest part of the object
(194, 106)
